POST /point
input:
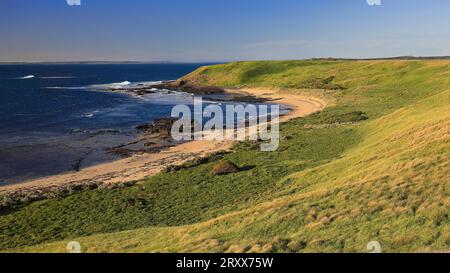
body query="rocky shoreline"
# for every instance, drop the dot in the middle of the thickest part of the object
(171, 86)
(210, 92)
(155, 137)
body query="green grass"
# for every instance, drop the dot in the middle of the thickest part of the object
(381, 175)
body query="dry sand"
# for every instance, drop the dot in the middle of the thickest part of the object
(139, 167)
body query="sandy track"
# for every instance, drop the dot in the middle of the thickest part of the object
(139, 167)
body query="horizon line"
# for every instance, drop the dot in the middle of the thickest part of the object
(406, 57)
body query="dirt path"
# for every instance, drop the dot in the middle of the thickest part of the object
(141, 166)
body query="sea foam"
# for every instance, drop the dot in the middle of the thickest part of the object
(26, 77)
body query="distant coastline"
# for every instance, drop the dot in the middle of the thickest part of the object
(104, 62)
(226, 61)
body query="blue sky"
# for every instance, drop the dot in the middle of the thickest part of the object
(220, 30)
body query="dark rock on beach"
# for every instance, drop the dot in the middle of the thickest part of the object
(156, 138)
(141, 92)
(190, 88)
(160, 127)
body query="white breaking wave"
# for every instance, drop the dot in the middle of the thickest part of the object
(123, 85)
(32, 77)
(66, 88)
(90, 114)
(117, 85)
(26, 77)
(112, 86)
(149, 83)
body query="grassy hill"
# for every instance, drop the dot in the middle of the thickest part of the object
(337, 182)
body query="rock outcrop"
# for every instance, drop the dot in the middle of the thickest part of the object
(190, 88)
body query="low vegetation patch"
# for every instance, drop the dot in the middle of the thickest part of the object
(332, 117)
(318, 83)
(17, 199)
(195, 162)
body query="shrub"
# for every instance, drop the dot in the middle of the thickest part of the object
(225, 167)
(319, 83)
(195, 162)
(341, 118)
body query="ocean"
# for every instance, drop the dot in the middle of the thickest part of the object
(53, 117)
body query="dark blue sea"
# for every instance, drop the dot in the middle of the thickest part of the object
(43, 109)
(60, 98)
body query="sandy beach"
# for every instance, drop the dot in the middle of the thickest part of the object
(140, 166)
